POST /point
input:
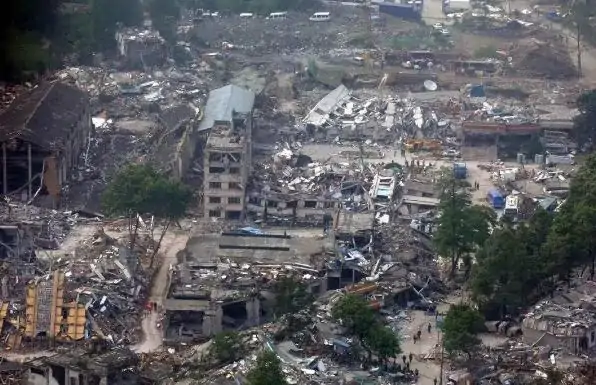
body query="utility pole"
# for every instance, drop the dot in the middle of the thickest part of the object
(579, 50)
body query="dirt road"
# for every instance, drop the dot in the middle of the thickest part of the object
(173, 242)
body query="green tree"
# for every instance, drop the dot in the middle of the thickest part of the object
(291, 296)
(267, 371)
(512, 269)
(571, 242)
(25, 29)
(227, 346)
(107, 14)
(355, 314)
(460, 330)
(75, 36)
(584, 124)
(164, 17)
(140, 189)
(462, 227)
(382, 341)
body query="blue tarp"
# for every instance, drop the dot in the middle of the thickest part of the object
(477, 91)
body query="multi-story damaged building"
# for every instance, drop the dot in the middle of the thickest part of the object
(294, 191)
(228, 151)
(42, 134)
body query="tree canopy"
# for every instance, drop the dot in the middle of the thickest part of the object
(355, 314)
(227, 346)
(462, 227)
(511, 267)
(267, 370)
(291, 295)
(360, 320)
(141, 189)
(25, 27)
(584, 125)
(460, 329)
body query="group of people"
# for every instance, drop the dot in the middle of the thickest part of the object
(418, 335)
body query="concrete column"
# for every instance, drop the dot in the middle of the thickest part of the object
(30, 169)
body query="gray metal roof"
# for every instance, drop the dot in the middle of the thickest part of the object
(222, 101)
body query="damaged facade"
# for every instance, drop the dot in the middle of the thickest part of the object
(228, 151)
(141, 48)
(44, 135)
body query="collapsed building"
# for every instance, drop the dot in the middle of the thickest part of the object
(43, 134)
(141, 48)
(83, 367)
(227, 155)
(565, 321)
(293, 190)
(220, 282)
(75, 301)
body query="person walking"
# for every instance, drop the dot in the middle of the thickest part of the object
(410, 357)
(419, 333)
(429, 327)
(403, 358)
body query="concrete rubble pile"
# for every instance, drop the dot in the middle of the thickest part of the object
(91, 289)
(341, 116)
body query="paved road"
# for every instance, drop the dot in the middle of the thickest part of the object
(172, 243)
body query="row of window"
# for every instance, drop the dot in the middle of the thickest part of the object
(231, 185)
(220, 157)
(231, 200)
(309, 204)
(233, 215)
(221, 170)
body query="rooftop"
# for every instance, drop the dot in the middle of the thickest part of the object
(250, 248)
(319, 114)
(44, 115)
(222, 102)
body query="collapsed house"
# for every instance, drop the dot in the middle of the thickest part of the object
(43, 134)
(141, 48)
(77, 300)
(228, 151)
(339, 115)
(564, 322)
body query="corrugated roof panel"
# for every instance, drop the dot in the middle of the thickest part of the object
(223, 101)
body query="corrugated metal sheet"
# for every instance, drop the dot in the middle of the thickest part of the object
(223, 101)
